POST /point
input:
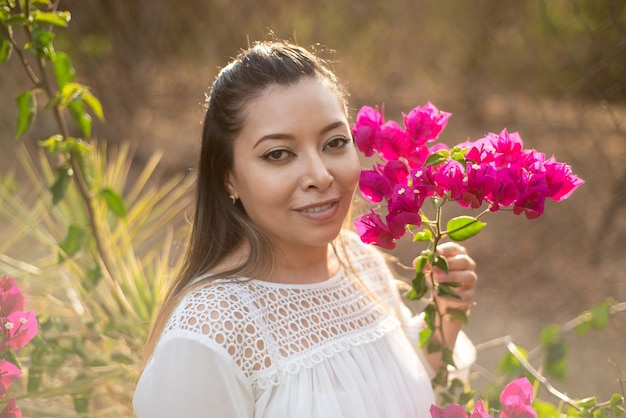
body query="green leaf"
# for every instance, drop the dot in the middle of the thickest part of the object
(73, 241)
(423, 235)
(53, 144)
(430, 313)
(510, 365)
(600, 316)
(60, 19)
(549, 334)
(555, 363)
(26, 111)
(587, 402)
(425, 335)
(114, 202)
(93, 103)
(438, 157)
(464, 227)
(81, 117)
(545, 409)
(79, 153)
(465, 397)
(420, 262)
(447, 356)
(460, 316)
(441, 263)
(62, 177)
(94, 275)
(18, 19)
(42, 43)
(63, 69)
(616, 399)
(5, 50)
(444, 289)
(419, 285)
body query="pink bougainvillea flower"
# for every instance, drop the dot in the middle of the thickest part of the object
(11, 298)
(377, 184)
(374, 186)
(373, 230)
(507, 147)
(424, 124)
(391, 143)
(18, 329)
(449, 177)
(403, 209)
(450, 411)
(11, 410)
(505, 191)
(479, 411)
(516, 399)
(480, 182)
(365, 130)
(8, 373)
(560, 180)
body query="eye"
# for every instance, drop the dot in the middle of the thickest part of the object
(277, 155)
(336, 142)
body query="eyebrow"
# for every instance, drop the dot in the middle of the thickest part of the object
(323, 131)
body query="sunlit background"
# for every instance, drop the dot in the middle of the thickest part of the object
(554, 70)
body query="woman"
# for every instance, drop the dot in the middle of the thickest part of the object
(277, 312)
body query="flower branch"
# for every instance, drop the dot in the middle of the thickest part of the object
(495, 172)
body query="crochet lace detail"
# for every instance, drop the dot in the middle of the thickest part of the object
(272, 330)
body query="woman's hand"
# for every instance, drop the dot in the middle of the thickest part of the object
(461, 270)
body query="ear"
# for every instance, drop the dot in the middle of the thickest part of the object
(229, 183)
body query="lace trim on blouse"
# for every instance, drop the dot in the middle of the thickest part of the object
(273, 330)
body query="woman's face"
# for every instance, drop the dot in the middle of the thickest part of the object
(295, 165)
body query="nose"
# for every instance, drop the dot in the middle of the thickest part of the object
(316, 173)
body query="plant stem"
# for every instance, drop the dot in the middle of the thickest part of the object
(43, 82)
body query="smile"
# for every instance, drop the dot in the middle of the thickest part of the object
(318, 208)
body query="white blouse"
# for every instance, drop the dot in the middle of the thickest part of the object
(337, 348)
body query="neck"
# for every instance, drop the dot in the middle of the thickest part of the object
(301, 267)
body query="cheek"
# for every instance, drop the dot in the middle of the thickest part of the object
(350, 171)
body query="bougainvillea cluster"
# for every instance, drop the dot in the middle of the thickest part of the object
(495, 170)
(516, 400)
(17, 328)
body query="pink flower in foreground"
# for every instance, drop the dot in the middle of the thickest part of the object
(373, 230)
(424, 124)
(11, 298)
(516, 399)
(450, 411)
(11, 410)
(18, 329)
(479, 411)
(561, 182)
(8, 373)
(368, 123)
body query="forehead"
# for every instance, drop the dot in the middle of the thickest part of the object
(301, 105)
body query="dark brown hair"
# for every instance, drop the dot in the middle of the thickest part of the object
(219, 226)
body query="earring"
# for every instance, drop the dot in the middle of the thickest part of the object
(233, 198)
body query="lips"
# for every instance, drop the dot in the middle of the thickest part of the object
(317, 209)
(317, 206)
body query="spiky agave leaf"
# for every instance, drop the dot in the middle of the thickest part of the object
(94, 320)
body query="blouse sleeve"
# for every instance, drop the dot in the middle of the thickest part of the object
(189, 378)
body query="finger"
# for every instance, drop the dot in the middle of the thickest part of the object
(466, 279)
(450, 249)
(461, 262)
